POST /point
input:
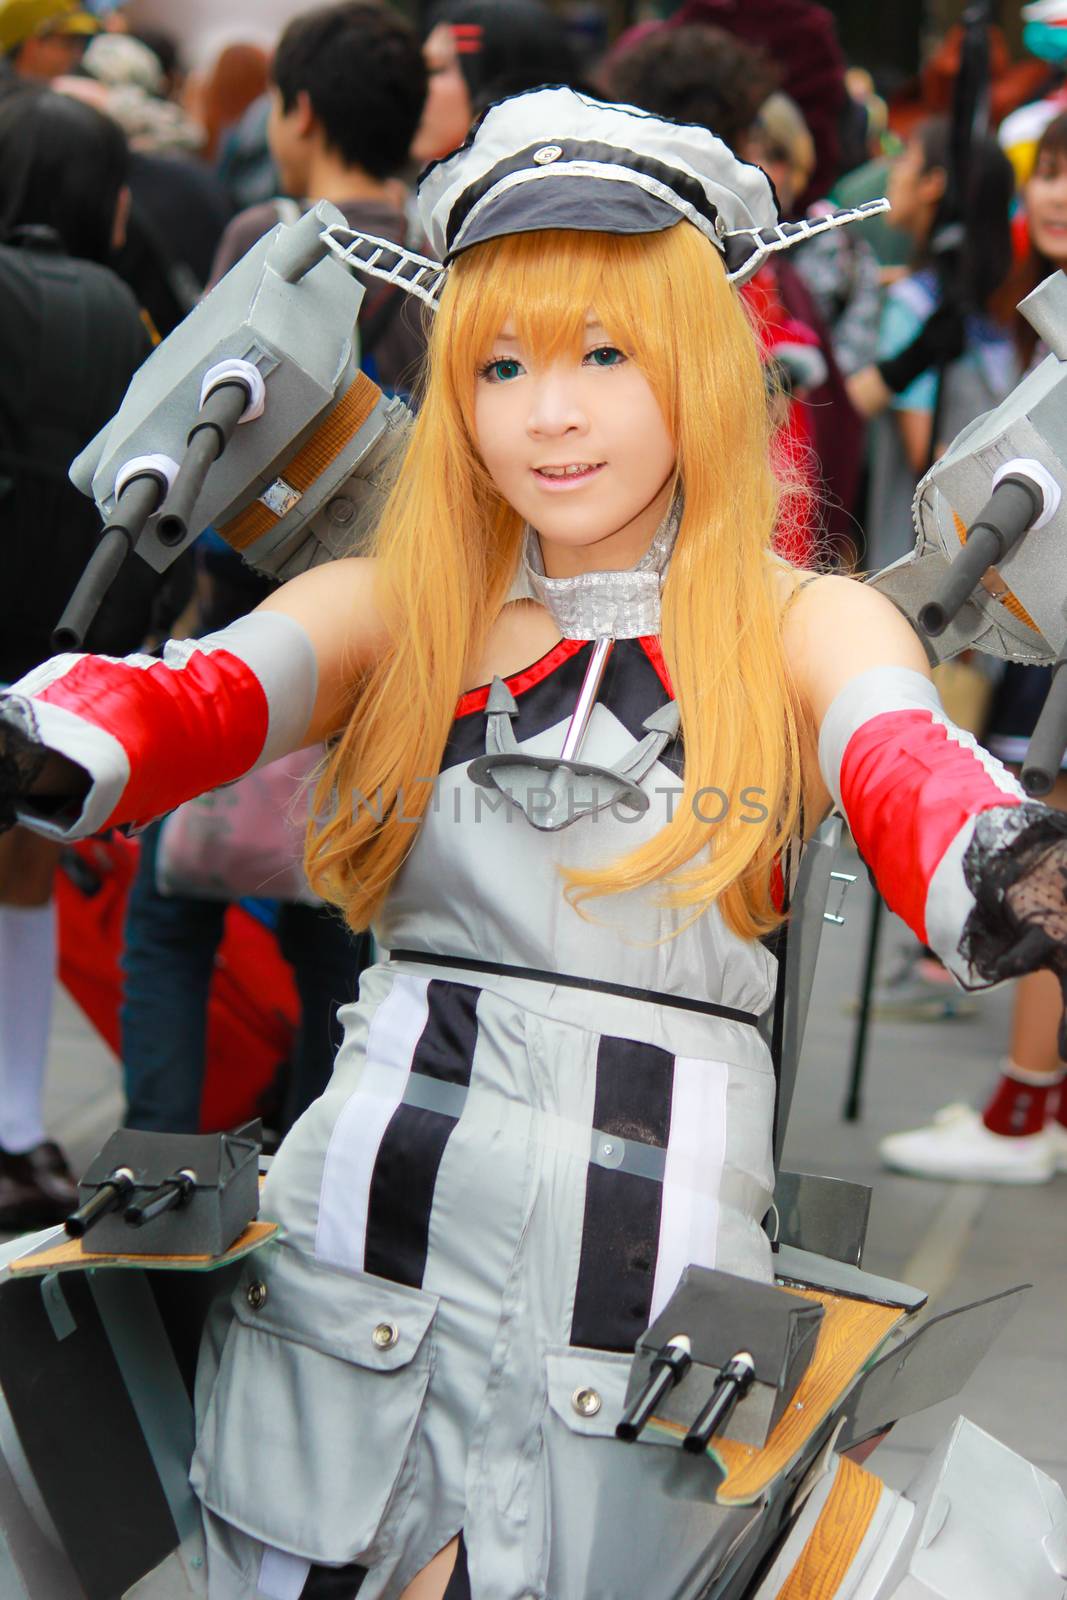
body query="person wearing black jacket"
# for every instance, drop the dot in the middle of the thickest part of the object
(72, 337)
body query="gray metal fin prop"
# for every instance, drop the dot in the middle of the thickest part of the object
(808, 903)
(807, 1270)
(932, 1365)
(826, 1215)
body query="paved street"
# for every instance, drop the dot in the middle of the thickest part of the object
(958, 1241)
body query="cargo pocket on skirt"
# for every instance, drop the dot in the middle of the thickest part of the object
(623, 1519)
(317, 1400)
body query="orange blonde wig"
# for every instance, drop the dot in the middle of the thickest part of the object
(448, 547)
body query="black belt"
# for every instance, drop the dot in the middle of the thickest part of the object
(706, 1008)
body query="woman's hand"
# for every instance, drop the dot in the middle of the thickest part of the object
(27, 767)
(1016, 868)
(23, 758)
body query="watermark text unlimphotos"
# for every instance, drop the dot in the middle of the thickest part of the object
(474, 804)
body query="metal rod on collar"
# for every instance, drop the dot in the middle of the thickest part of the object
(587, 694)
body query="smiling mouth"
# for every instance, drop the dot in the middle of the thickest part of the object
(575, 472)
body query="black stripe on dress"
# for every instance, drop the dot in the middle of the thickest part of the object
(620, 1231)
(409, 1156)
(333, 1583)
(632, 690)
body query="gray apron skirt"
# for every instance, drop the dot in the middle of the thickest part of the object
(494, 1197)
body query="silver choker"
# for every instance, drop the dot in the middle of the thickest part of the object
(599, 605)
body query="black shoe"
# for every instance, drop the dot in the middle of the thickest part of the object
(37, 1188)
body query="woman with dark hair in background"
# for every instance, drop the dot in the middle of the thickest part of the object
(934, 317)
(982, 365)
(72, 339)
(62, 170)
(478, 51)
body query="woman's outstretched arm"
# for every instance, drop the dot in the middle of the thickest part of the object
(913, 787)
(93, 742)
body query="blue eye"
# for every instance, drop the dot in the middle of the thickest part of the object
(605, 355)
(501, 370)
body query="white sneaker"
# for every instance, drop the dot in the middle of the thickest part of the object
(1058, 1138)
(958, 1145)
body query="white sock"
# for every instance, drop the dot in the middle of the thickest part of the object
(1038, 1080)
(27, 976)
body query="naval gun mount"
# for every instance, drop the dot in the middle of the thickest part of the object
(988, 571)
(253, 417)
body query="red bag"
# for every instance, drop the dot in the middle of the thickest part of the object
(253, 1009)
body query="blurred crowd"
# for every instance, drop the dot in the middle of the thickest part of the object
(145, 148)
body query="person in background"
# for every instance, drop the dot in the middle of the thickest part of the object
(901, 388)
(327, 61)
(244, 164)
(43, 39)
(801, 40)
(1045, 37)
(839, 267)
(1020, 1134)
(179, 206)
(218, 97)
(72, 338)
(478, 51)
(931, 322)
(134, 78)
(840, 274)
(705, 75)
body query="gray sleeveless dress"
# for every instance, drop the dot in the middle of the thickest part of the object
(495, 1195)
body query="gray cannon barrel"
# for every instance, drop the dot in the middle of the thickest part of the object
(1048, 741)
(212, 431)
(1012, 509)
(136, 504)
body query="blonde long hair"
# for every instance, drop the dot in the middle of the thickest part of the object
(448, 546)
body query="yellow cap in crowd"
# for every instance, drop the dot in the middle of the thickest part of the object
(27, 19)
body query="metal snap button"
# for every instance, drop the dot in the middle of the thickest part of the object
(385, 1335)
(256, 1295)
(340, 510)
(611, 1152)
(586, 1402)
(547, 153)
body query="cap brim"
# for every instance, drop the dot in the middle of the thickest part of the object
(82, 23)
(577, 205)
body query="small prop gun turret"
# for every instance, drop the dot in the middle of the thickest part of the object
(723, 1358)
(169, 1194)
(988, 569)
(252, 417)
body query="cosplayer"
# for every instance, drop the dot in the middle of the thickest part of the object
(577, 711)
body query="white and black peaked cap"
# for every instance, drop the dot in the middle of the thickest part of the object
(554, 158)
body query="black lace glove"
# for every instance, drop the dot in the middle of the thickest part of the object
(1016, 868)
(940, 340)
(22, 755)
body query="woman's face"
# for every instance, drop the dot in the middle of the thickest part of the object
(447, 115)
(914, 190)
(1045, 199)
(578, 447)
